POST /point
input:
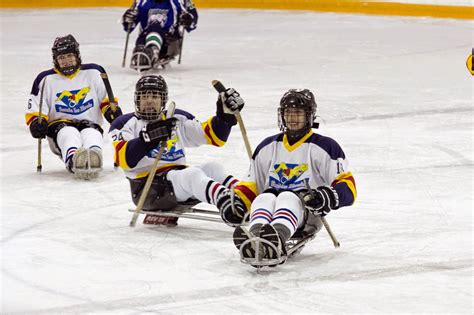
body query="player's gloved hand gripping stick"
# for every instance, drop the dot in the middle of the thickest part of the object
(221, 89)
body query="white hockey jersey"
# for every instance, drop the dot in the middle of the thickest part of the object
(278, 165)
(132, 155)
(81, 96)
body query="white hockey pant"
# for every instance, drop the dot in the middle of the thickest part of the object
(192, 182)
(69, 139)
(286, 209)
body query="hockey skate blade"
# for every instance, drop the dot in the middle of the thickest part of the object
(259, 260)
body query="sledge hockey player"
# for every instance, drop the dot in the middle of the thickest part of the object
(282, 167)
(161, 30)
(71, 99)
(137, 137)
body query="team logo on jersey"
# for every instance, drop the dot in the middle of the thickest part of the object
(170, 154)
(73, 102)
(287, 176)
(157, 16)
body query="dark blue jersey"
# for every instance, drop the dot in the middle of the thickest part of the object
(166, 13)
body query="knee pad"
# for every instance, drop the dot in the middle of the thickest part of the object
(290, 198)
(264, 200)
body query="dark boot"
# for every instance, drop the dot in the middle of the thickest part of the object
(231, 208)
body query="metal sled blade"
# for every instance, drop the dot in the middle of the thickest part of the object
(162, 63)
(188, 212)
(294, 246)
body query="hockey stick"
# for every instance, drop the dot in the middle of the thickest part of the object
(323, 219)
(126, 40)
(221, 88)
(39, 165)
(110, 93)
(181, 46)
(331, 234)
(149, 180)
(126, 46)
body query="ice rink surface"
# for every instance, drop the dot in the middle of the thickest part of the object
(393, 91)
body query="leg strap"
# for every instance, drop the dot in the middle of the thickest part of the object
(83, 124)
(55, 126)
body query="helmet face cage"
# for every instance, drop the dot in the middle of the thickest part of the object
(65, 45)
(297, 99)
(151, 95)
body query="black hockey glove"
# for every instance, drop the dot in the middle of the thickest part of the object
(157, 131)
(39, 130)
(129, 19)
(110, 115)
(321, 201)
(228, 103)
(186, 19)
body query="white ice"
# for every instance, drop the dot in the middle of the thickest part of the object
(394, 92)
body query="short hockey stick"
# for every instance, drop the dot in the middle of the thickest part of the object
(126, 46)
(129, 30)
(181, 46)
(39, 165)
(110, 93)
(221, 88)
(331, 234)
(149, 180)
(323, 219)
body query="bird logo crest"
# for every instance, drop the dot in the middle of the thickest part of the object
(73, 102)
(288, 176)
